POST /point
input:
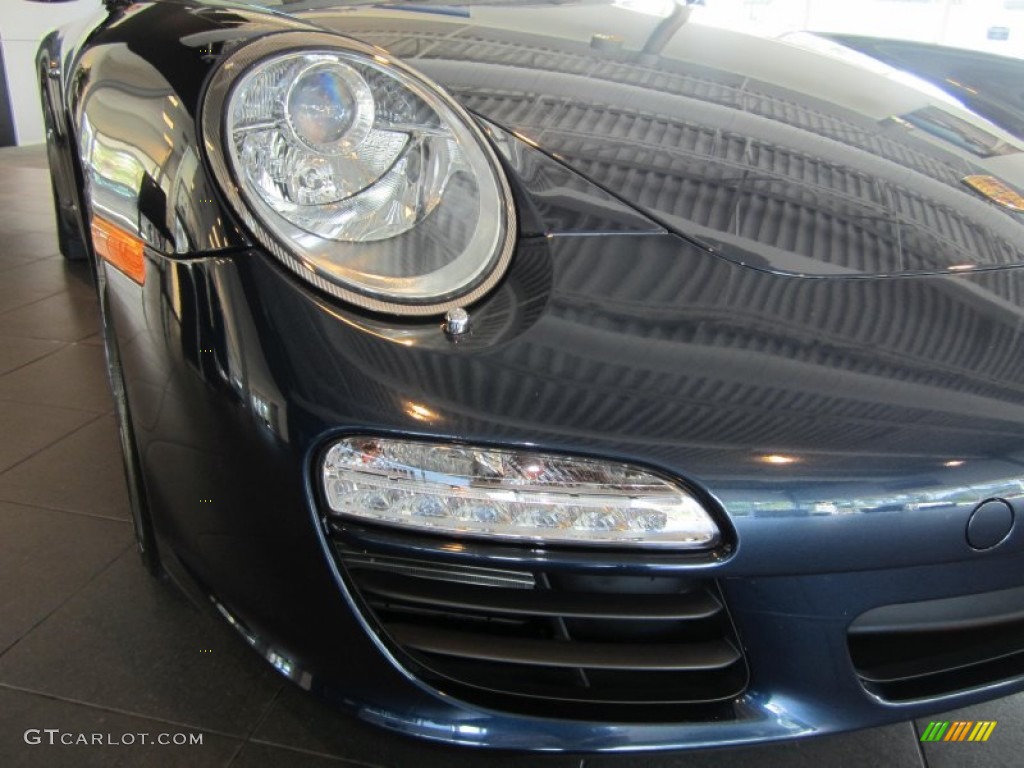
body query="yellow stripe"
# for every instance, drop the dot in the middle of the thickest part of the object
(988, 731)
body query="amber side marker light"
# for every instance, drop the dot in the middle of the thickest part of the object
(120, 248)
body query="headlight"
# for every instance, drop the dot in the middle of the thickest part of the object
(358, 173)
(510, 495)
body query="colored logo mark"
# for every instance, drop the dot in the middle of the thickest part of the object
(959, 730)
(997, 191)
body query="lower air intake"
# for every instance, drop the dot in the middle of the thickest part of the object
(938, 647)
(551, 642)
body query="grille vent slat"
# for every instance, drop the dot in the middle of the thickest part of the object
(593, 605)
(677, 658)
(615, 646)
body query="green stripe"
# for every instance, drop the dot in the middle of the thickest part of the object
(935, 730)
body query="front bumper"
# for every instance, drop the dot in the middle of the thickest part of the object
(237, 376)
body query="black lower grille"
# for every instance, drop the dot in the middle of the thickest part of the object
(937, 647)
(535, 640)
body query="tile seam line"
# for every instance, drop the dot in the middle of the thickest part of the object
(8, 266)
(58, 292)
(63, 345)
(23, 260)
(64, 602)
(314, 753)
(256, 724)
(95, 417)
(4, 334)
(7, 336)
(48, 508)
(75, 340)
(20, 401)
(920, 746)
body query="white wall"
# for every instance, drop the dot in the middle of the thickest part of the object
(957, 23)
(22, 25)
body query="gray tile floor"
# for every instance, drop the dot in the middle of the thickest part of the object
(90, 644)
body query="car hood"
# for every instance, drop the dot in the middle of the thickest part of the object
(799, 155)
(778, 394)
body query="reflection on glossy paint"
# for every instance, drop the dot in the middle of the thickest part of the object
(804, 186)
(761, 502)
(117, 166)
(660, 8)
(778, 459)
(420, 412)
(146, 116)
(280, 663)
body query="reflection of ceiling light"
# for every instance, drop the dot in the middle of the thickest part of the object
(775, 458)
(662, 8)
(525, 139)
(961, 267)
(606, 43)
(420, 412)
(953, 463)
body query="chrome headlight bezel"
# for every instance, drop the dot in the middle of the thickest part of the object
(213, 126)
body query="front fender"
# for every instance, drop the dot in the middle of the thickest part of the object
(134, 99)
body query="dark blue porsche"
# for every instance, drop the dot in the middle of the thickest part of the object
(564, 375)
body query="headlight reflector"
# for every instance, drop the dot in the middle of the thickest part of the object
(359, 174)
(510, 495)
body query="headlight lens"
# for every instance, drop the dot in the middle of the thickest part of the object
(359, 174)
(329, 107)
(511, 495)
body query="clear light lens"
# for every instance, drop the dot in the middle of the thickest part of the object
(330, 108)
(304, 140)
(367, 179)
(511, 495)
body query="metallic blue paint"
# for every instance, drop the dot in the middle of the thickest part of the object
(896, 392)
